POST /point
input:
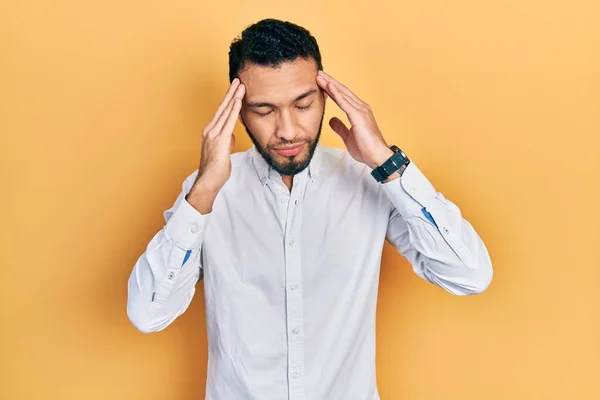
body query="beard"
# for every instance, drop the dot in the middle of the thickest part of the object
(290, 165)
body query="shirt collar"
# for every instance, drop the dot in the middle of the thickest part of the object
(263, 169)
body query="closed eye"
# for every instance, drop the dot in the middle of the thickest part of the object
(304, 108)
(301, 108)
(264, 114)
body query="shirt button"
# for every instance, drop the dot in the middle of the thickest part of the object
(293, 287)
(284, 200)
(295, 375)
(292, 243)
(171, 276)
(445, 230)
(295, 331)
(194, 230)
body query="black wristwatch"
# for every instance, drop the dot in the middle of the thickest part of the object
(397, 162)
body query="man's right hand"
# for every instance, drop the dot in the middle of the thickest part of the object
(217, 143)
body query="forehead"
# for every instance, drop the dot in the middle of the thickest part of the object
(279, 84)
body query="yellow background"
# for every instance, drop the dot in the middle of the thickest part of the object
(102, 104)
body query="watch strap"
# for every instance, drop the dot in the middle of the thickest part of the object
(397, 162)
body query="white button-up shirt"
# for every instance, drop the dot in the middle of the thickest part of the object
(291, 277)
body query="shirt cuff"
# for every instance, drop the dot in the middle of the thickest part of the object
(411, 192)
(186, 226)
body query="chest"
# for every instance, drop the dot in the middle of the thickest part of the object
(255, 236)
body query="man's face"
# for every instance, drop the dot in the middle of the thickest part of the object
(282, 112)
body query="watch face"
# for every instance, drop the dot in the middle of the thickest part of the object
(396, 149)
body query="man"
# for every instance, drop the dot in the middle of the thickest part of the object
(288, 235)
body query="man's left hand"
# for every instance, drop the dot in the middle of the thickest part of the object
(363, 139)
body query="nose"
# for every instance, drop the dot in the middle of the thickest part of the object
(285, 126)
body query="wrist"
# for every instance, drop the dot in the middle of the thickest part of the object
(205, 185)
(389, 165)
(393, 176)
(202, 197)
(380, 157)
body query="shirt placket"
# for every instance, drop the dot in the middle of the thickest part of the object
(294, 297)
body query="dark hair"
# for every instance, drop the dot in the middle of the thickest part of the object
(271, 42)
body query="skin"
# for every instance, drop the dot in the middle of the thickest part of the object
(283, 107)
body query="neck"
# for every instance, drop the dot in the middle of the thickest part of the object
(288, 180)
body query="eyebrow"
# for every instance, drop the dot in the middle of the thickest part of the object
(263, 104)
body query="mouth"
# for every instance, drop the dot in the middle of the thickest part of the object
(290, 151)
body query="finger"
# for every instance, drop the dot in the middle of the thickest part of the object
(228, 96)
(354, 98)
(330, 83)
(337, 96)
(227, 113)
(232, 89)
(339, 127)
(344, 89)
(232, 118)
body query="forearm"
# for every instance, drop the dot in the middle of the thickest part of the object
(202, 197)
(162, 283)
(158, 293)
(430, 231)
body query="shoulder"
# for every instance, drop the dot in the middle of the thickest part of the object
(241, 157)
(348, 176)
(239, 161)
(338, 163)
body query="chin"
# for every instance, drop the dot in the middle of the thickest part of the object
(290, 165)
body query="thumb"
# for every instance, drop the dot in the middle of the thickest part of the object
(339, 127)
